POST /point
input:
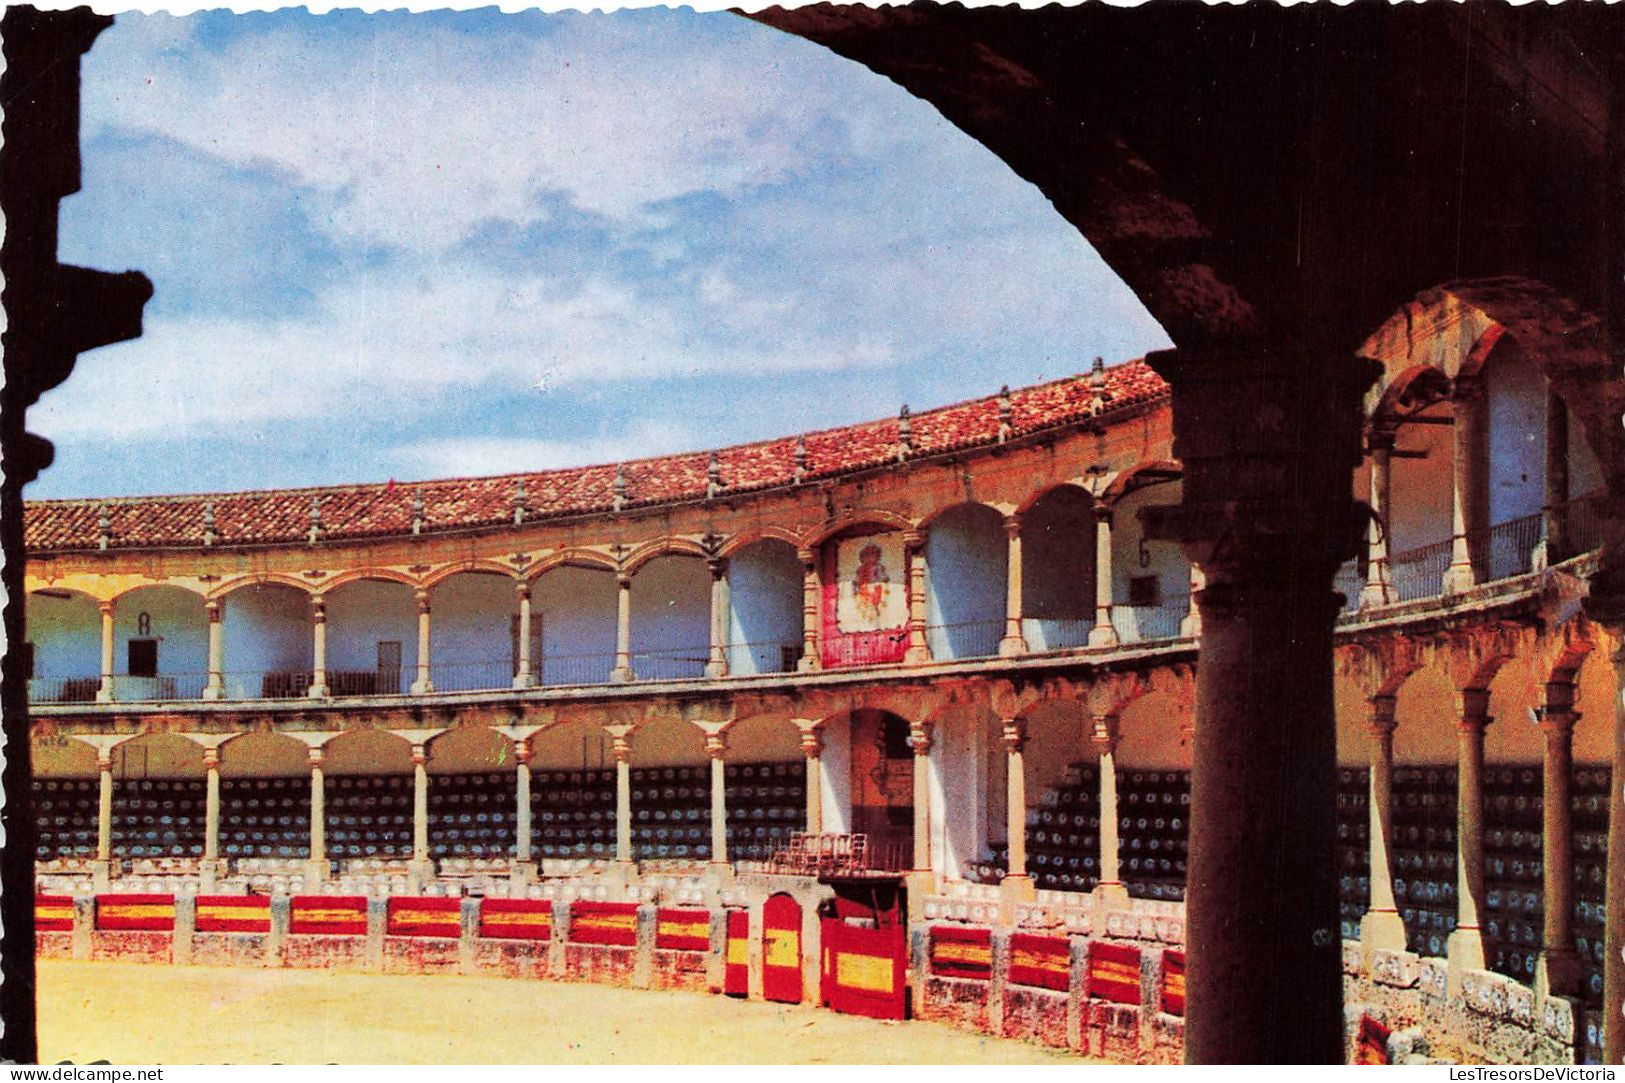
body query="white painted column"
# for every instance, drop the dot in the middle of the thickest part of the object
(621, 746)
(1191, 626)
(215, 688)
(812, 746)
(811, 589)
(1558, 968)
(211, 804)
(318, 813)
(1466, 944)
(716, 747)
(919, 648)
(318, 632)
(622, 673)
(1103, 634)
(521, 812)
(1381, 926)
(1376, 591)
(420, 804)
(424, 683)
(104, 805)
(522, 671)
(1014, 732)
(1104, 735)
(1014, 641)
(105, 693)
(1466, 475)
(919, 741)
(717, 664)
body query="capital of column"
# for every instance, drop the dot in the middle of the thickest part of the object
(1012, 525)
(1383, 721)
(919, 739)
(1102, 512)
(422, 598)
(212, 608)
(104, 762)
(318, 756)
(211, 759)
(913, 540)
(623, 580)
(420, 755)
(1014, 733)
(522, 751)
(318, 608)
(716, 745)
(1558, 724)
(522, 588)
(1103, 732)
(621, 748)
(1475, 708)
(812, 743)
(105, 608)
(717, 566)
(808, 558)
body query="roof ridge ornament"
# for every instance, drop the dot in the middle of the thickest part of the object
(713, 476)
(1006, 413)
(315, 519)
(417, 511)
(1097, 384)
(800, 473)
(521, 503)
(210, 535)
(619, 501)
(104, 525)
(905, 434)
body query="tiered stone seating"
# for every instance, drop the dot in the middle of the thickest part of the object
(263, 818)
(1153, 827)
(1353, 849)
(369, 816)
(471, 815)
(158, 818)
(65, 818)
(1423, 858)
(767, 803)
(1512, 861)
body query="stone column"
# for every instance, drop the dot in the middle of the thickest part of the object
(104, 806)
(1554, 543)
(621, 746)
(420, 814)
(622, 673)
(318, 631)
(717, 665)
(716, 747)
(522, 675)
(919, 741)
(1016, 885)
(1613, 975)
(1109, 889)
(1014, 641)
(1103, 634)
(1376, 589)
(1558, 968)
(211, 804)
(521, 808)
(1381, 927)
(424, 683)
(1269, 437)
(1466, 944)
(215, 688)
(1191, 626)
(104, 694)
(812, 746)
(919, 649)
(811, 590)
(1466, 505)
(316, 865)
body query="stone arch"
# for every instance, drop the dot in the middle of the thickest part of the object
(575, 602)
(475, 629)
(747, 538)
(158, 755)
(160, 643)
(368, 751)
(372, 635)
(364, 575)
(1154, 732)
(765, 587)
(65, 628)
(966, 557)
(572, 745)
(264, 754)
(673, 545)
(57, 755)
(878, 519)
(671, 615)
(574, 557)
(470, 749)
(1058, 568)
(241, 582)
(267, 643)
(471, 566)
(1141, 475)
(668, 742)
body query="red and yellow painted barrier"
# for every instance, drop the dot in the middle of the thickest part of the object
(863, 971)
(341, 915)
(1371, 1044)
(233, 913)
(736, 974)
(1173, 982)
(155, 913)
(1043, 961)
(437, 915)
(614, 924)
(1114, 973)
(516, 919)
(958, 952)
(683, 930)
(53, 913)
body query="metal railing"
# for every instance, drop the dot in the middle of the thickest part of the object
(671, 663)
(1147, 623)
(1509, 548)
(1056, 633)
(554, 670)
(74, 689)
(964, 639)
(1418, 573)
(767, 656)
(161, 688)
(471, 676)
(266, 684)
(1582, 521)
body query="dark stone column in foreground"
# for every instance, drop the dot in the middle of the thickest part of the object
(1269, 439)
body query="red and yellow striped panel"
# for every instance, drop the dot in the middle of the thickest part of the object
(53, 913)
(958, 952)
(1371, 1046)
(432, 916)
(516, 919)
(341, 915)
(1173, 982)
(1044, 961)
(736, 974)
(604, 923)
(151, 912)
(683, 930)
(872, 973)
(1114, 973)
(233, 913)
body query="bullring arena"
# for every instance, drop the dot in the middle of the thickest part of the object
(893, 719)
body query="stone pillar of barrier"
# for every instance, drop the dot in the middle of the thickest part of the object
(468, 936)
(84, 921)
(180, 949)
(377, 925)
(643, 960)
(561, 936)
(276, 941)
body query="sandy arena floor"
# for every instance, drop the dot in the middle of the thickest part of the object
(133, 1014)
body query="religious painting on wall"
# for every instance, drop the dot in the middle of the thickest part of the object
(865, 599)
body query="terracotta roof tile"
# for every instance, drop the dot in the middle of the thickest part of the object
(362, 511)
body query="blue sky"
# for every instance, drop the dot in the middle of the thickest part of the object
(425, 245)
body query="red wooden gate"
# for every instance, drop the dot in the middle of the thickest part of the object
(781, 949)
(863, 969)
(736, 974)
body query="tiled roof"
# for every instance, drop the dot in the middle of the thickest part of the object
(383, 509)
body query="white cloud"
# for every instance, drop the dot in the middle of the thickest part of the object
(483, 456)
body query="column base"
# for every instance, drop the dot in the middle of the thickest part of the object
(1111, 895)
(1539, 558)
(1012, 646)
(916, 656)
(1381, 930)
(1103, 635)
(716, 669)
(316, 872)
(522, 873)
(104, 695)
(317, 691)
(523, 681)
(1373, 595)
(419, 873)
(807, 663)
(1557, 973)
(1018, 887)
(1458, 579)
(621, 675)
(102, 874)
(214, 692)
(210, 871)
(1464, 951)
(721, 872)
(920, 883)
(1191, 626)
(422, 688)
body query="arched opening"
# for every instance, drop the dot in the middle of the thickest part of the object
(372, 638)
(158, 798)
(572, 793)
(764, 608)
(864, 617)
(575, 607)
(1153, 795)
(160, 645)
(766, 773)
(671, 792)
(882, 786)
(671, 618)
(65, 643)
(967, 561)
(268, 645)
(1512, 917)
(1058, 569)
(1062, 813)
(961, 808)
(368, 795)
(471, 793)
(1151, 591)
(1422, 849)
(476, 632)
(264, 798)
(65, 790)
